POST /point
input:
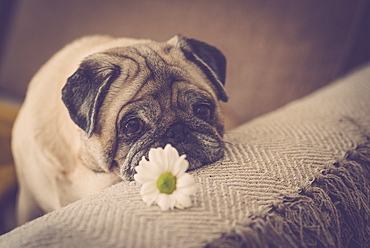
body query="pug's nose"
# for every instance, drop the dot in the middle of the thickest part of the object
(178, 132)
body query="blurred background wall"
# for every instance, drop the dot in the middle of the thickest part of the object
(277, 50)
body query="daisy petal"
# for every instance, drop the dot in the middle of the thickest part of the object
(145, 177)
(180, 166)
(182, 200)
(140, 179)
(148, 188)
(149, 199)
(184, 180)
(163, 202)
(156, 158)
(172, 154)
(167, 156)
(148, 168)
(171, 201)
(190, 190)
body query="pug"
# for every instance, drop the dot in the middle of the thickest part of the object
(97, 106)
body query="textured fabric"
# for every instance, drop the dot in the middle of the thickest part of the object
(268, 161)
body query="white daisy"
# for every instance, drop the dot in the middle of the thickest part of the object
(164, 179)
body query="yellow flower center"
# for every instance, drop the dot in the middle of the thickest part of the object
(166, 183)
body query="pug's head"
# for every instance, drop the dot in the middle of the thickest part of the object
(127, 100)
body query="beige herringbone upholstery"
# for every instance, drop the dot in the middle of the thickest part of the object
(271, 164)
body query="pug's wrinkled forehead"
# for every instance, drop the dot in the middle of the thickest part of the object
(154, 68)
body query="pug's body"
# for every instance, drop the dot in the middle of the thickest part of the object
(97, 107)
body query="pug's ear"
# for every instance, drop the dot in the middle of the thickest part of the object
(208, 58)
(85, 90)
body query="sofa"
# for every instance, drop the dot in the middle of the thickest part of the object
(295, 173)
(297, 177)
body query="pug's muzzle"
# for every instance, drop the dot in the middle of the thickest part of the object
(200, 148)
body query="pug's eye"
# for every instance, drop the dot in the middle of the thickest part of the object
(134, 126)
(202, 111)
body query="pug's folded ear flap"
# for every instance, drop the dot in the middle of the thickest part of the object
(85, 90)
(208, 58)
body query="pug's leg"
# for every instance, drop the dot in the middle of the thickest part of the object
(27, 208)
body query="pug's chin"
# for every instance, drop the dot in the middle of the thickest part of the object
(195, 163)
(196, 156)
